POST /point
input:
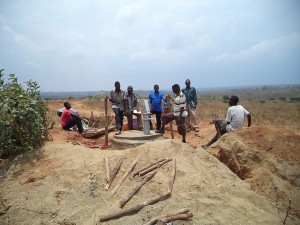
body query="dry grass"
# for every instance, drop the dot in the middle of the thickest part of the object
(275, 113)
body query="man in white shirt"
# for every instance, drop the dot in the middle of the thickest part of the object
(179, 114)
(234, 120)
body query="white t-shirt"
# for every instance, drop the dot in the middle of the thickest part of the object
(235, 115)
(180, 101)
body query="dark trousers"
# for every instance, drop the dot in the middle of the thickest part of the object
(72, 122)
(168, 117)
(119, 118)
(158, 118)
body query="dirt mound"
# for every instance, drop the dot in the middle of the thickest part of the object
(63, 183)
(268, 159)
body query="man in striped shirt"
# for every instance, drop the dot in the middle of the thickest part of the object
(179, 114)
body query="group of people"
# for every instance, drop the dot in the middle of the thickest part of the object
(185, 103)
(183, 113)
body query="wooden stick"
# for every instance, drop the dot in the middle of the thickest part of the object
(173, 174)
(135, 208)
(106, 121)
(114, 172)
(155, 219)
(183, 216)
(107, 170)
(138, 171)
(154, 167)
(91, 119)
(124, 176)
(136, 189)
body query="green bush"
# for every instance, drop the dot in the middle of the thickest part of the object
(295, 99)
(23, 116)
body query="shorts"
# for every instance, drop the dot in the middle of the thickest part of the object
(222, 125)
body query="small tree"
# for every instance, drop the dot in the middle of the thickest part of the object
(22, 116)
(225, 98)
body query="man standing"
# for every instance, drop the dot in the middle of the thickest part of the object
(70, 119)
(178, 114)
(131, 106)
(234, 120)
(191, 102)
(117, 100)
(155, 99)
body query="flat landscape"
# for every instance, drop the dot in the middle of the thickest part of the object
(248, 177)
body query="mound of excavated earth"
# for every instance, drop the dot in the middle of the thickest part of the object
(64, 184)
(267, 158)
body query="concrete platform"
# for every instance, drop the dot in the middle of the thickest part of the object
(135, 137)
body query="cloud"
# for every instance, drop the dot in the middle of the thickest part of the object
(261, 48)
(78, 52)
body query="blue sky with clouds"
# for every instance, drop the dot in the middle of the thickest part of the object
(86, 45)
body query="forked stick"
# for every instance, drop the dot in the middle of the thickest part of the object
(155, 219)
(134, 209)
(113, 173)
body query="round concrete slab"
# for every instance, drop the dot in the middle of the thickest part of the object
(135, 137)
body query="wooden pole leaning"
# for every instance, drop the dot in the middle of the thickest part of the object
(106, 121)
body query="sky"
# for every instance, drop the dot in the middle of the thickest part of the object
(87, 45)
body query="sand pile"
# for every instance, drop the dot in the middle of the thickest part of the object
(64, 184)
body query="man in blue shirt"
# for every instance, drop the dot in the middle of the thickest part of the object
(191, 104)
(155, 99)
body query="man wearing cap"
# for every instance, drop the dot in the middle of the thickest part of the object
(191, 105)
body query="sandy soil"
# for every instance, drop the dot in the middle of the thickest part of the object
(63, 181)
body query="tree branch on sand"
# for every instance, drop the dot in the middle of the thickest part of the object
(124, 176)
(114, 172)
(135, 208)
(136, 188)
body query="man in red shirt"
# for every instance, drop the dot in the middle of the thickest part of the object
(70, 119)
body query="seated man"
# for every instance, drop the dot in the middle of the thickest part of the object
(130, 106)
(234, 120)
(179, 114)
(70, 119)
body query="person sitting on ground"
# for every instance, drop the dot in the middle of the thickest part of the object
(191, 102)
(179, 114)
(155, 99)
(117, 100)
(131, 106)
(70, 119)
(234, 120)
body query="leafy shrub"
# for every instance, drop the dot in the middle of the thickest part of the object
(225, 98)
(23, 116)
(295, 99)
